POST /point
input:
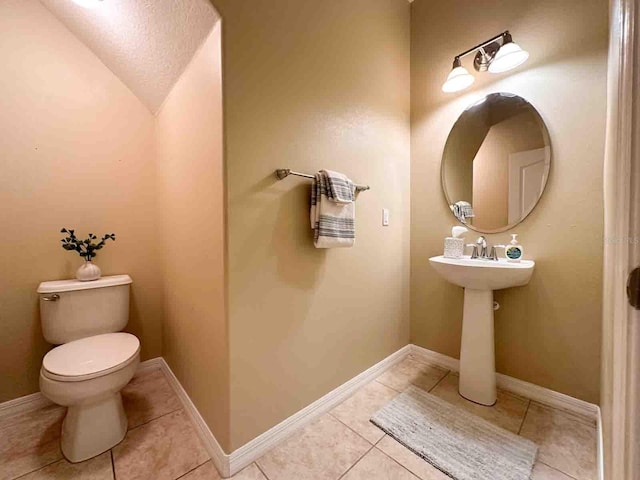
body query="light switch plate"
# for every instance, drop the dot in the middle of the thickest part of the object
(385, 217)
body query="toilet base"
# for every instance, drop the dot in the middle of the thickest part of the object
(91, 429)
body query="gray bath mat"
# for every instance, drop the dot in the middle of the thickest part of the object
(458, 443)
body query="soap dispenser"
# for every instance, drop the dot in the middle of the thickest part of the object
(454, 245)
(514, 251)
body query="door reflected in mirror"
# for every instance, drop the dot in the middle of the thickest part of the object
(496, 163)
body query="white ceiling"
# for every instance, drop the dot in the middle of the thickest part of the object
(146, 43)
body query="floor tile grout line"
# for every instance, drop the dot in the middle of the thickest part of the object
(524, 417)
(420, 359)
(403, 466)
(388, 386)
(113, 464)
(135, 381)
(36, 470)
(354, 431)
(538, 461)
(356, 462)
(194, 468)
(261, 470)
(27, 416)
(154, 419)
(439, 381)
(558, 470)
(573, 416)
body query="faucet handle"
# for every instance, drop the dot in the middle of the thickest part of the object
(474, 252)
(493, 255)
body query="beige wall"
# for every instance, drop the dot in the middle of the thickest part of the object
(548, 332)
(191, 194)
(76, 150)
(312, 85)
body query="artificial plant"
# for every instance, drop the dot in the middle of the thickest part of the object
(86, 248)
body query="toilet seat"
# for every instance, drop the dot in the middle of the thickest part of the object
(90, 357)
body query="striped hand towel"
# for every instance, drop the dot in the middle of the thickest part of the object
(332, 216)
(462, 210)
(340, 188)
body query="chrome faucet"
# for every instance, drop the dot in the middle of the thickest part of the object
(481, 250)
(481, 243)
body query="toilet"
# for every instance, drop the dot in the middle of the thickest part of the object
(92, 363)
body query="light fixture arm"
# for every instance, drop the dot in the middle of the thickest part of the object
(504, 36)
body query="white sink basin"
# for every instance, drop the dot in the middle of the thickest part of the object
(477, 347)
(483, 274)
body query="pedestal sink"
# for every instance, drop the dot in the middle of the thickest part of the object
(480, 278)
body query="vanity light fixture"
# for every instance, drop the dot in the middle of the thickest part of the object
(498, 54)
(88, 3)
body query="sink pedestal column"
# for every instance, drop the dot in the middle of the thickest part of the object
(477, 351)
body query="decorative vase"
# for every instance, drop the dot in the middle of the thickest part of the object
(88, 271)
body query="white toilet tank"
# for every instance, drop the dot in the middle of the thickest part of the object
(71, 309)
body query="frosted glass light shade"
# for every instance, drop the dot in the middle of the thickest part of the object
(459, 79)
(509, 56)
(87, 3)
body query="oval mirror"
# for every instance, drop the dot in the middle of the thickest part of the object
(496, 163)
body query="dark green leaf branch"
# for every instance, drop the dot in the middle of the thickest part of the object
(86, 248)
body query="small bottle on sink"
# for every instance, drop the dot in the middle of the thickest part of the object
(514, 250)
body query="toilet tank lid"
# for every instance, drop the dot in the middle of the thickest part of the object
(59, 286)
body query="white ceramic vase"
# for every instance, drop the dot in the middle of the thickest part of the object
(88, 271)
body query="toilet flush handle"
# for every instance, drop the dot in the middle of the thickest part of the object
(53, 298)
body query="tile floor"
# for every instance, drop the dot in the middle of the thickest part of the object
(162, 445)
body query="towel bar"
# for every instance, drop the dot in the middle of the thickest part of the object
(283, 173)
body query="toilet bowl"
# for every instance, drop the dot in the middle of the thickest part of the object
(87, 376)
(92, 362)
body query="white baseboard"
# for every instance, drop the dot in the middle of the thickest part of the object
(436, 358)
(152, 364)
(23, 404)
(257, 447)
(230, 464)
(600, 449)
(548, 397)
(519, 387)
(219, 458)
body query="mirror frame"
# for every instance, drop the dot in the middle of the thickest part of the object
(546, 135)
